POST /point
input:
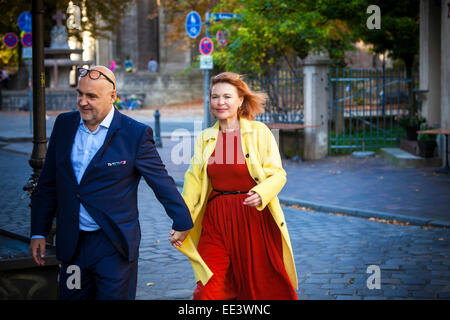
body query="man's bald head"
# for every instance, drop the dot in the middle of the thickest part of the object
(96, 95)
(107, 72)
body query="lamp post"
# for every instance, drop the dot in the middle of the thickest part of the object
(39, 126)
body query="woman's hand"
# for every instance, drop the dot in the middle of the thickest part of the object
(177, 237)
(253, 200)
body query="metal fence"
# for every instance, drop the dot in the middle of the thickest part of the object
(363, 107)
(285, 96)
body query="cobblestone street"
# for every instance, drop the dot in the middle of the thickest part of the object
(332, 252)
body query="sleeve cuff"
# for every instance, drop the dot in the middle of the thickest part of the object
(37, 237)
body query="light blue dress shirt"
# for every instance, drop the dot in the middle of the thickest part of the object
(85, 146)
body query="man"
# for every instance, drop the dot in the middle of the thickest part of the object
(95, 159)
(152, 65)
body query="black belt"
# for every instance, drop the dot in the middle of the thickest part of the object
(220, 193)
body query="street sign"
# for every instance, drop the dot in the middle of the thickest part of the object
(24, 21)
(206, 46)
(222, 37)
(10, 40)
(27, 39)
(27, 52)
(193, 24)
(206, 62)
(225, 16)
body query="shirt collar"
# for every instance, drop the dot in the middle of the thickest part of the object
(106, 122)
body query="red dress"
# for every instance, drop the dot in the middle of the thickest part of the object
(241, 245)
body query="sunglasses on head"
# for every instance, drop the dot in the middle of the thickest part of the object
(94, 75)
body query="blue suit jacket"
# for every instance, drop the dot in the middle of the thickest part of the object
(108, 192)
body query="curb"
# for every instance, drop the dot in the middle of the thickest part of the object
(16, 139)
(361, 213)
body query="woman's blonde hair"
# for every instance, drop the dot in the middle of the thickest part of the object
(253, 103)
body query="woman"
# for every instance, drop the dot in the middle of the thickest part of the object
(239, 246)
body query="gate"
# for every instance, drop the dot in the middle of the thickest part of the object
(363, 106)
(285, 96)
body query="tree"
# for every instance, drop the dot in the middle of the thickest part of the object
(271, 32)
(175, 12)
(398, 35)
(98, 17)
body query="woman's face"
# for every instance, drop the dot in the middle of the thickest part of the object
(225, 101)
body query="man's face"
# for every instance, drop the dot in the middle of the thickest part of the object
(95, 98)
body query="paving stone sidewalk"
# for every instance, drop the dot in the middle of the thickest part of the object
(332, 252)
(370, 184)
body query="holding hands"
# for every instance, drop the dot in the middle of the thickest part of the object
(177, 237)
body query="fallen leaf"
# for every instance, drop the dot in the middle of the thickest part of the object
(150, 284)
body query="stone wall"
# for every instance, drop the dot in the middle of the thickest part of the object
(161, 89)
(154, 88)
(15, 100)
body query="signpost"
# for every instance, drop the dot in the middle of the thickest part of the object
(10, 40)
(27, 55)
(225, 16)
(222, 37)
(24, 21)
(206, 62)
(206, 46)
(27, 39)
(193, 24)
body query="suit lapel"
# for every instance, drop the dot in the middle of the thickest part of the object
(113, 128)
(69, 137)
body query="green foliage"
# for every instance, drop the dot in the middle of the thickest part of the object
(272, 31)
(425, 136)
(406, 120)
(399, 32)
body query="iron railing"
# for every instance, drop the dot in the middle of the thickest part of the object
(364, 104)
(285, 96)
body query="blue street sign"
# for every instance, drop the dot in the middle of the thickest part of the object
(10, 40)
(225, 16)
(222, 37)
(206, 46)
(27, 39)
(193, 24)
(24, 21)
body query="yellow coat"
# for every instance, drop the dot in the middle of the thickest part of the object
(264, 163)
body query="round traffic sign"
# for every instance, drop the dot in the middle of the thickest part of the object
(24, 21)
(10, 40)
(206, 46)
(222, 37)
(27, 39)
(193, 24)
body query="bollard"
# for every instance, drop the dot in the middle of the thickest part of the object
(158, 141)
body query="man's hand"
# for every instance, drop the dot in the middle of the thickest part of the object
(35, 245)
(177, 237)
